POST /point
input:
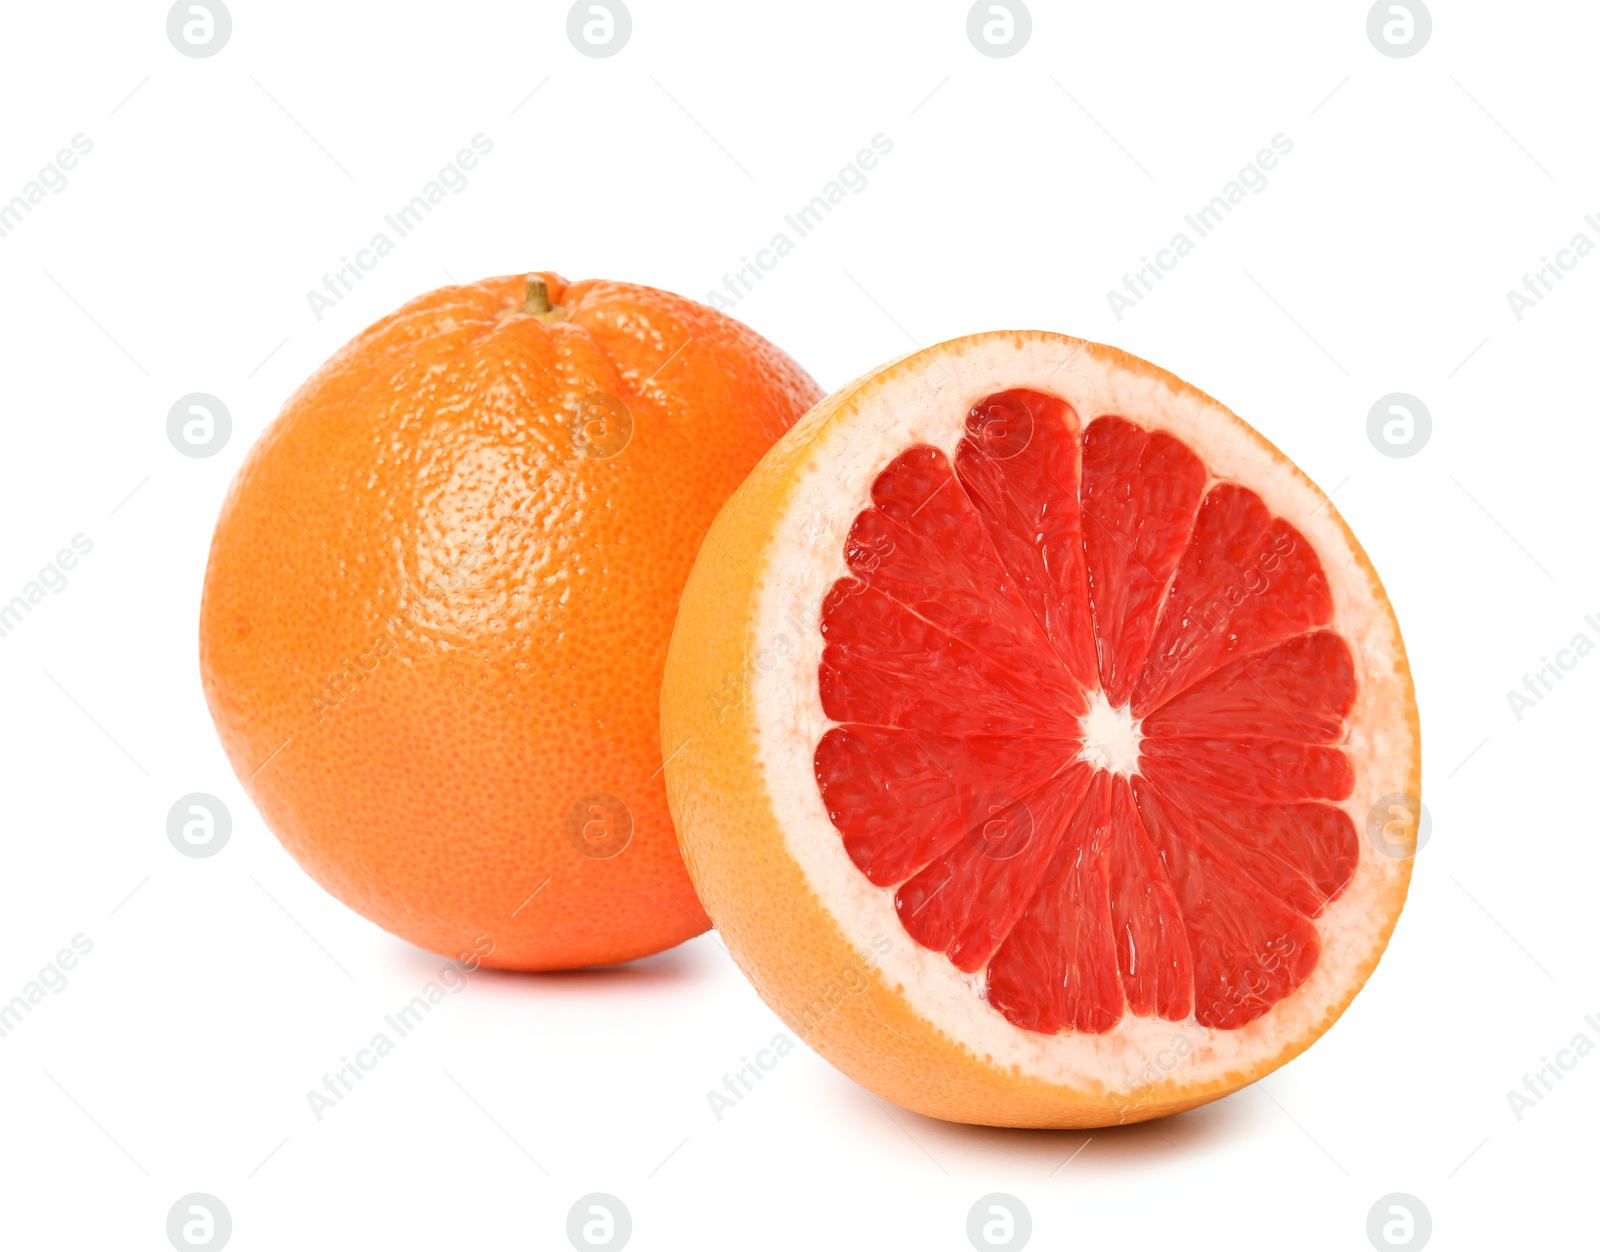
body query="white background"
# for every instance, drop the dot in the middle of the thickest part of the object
(178, 258)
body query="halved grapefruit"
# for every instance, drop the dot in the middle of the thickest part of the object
(1025, 709)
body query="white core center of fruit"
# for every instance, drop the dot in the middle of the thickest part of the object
(1110, 737)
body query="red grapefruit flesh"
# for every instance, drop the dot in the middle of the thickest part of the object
(1064, 698)
(989, 602)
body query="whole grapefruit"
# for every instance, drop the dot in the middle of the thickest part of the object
(439, 598)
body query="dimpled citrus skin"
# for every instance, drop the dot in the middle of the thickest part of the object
(431, 625)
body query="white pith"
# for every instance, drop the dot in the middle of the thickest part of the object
(1140, 1056)
(1110, 736)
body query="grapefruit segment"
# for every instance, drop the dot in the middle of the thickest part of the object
(1057, 970)
(1018, 462)
(887, 666)
(928, 631)
(900, 800)
(1153, 954)
(1245, 581)
(1306, 853)
(1271, 770)
(1068, 695)
(1140, 493)
(966, 901)
(1249, 948)
(1301, 688)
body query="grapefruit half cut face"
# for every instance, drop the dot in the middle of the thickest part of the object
(1029, 710)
